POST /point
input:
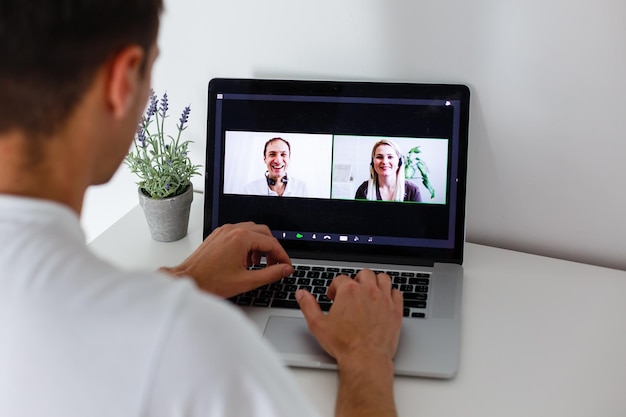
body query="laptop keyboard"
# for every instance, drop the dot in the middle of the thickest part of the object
(316, 279)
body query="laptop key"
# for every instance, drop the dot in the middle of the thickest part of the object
(414, 304)
(325, 306)
(289, 280)
(261, 302)
(244, 301)
(291, 288)
(281, 295)
(319, 290)
(400, 280)
(285, 304)
(418, 296)
(266, 294)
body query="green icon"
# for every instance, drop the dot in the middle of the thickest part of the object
(299, 235)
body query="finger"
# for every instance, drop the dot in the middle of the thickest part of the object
(366, 276)
(255, 258)
(398, 299)
(384, 282)
(335, 284)
(310, 308)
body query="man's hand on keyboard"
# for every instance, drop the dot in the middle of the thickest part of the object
(361, 331)
(220, 264)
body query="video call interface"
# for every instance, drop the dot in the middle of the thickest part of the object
(329, 158)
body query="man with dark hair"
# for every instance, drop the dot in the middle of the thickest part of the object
(80, 337)
(51, 51)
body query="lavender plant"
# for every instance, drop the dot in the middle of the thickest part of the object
(161, 161)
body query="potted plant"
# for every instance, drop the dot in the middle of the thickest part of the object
(162, 163)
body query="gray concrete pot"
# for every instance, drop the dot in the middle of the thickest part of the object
(168, 218)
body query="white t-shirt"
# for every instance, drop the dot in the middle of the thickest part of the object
(80, 337)
(294, 188)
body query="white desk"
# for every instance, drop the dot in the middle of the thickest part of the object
(541, 337)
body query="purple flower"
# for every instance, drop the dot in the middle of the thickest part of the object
(164, 105)
(141, 136)
(152, 108)
(184, 117)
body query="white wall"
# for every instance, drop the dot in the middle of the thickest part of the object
(548, 116)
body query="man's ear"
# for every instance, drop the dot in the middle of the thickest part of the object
(124, 79)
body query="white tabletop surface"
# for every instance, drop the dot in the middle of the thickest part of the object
(541, 336)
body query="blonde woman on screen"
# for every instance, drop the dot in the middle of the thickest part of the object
(387, 180)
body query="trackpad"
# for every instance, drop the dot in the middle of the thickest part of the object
(291, 338)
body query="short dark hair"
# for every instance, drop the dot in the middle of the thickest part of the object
(274, 140)
(50, 51)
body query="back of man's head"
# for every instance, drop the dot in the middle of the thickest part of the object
(50, 51)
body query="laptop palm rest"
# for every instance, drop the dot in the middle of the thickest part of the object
(297, 347)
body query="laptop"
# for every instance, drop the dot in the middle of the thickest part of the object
(327, 142)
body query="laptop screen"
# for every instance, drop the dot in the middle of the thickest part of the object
(341, 170)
